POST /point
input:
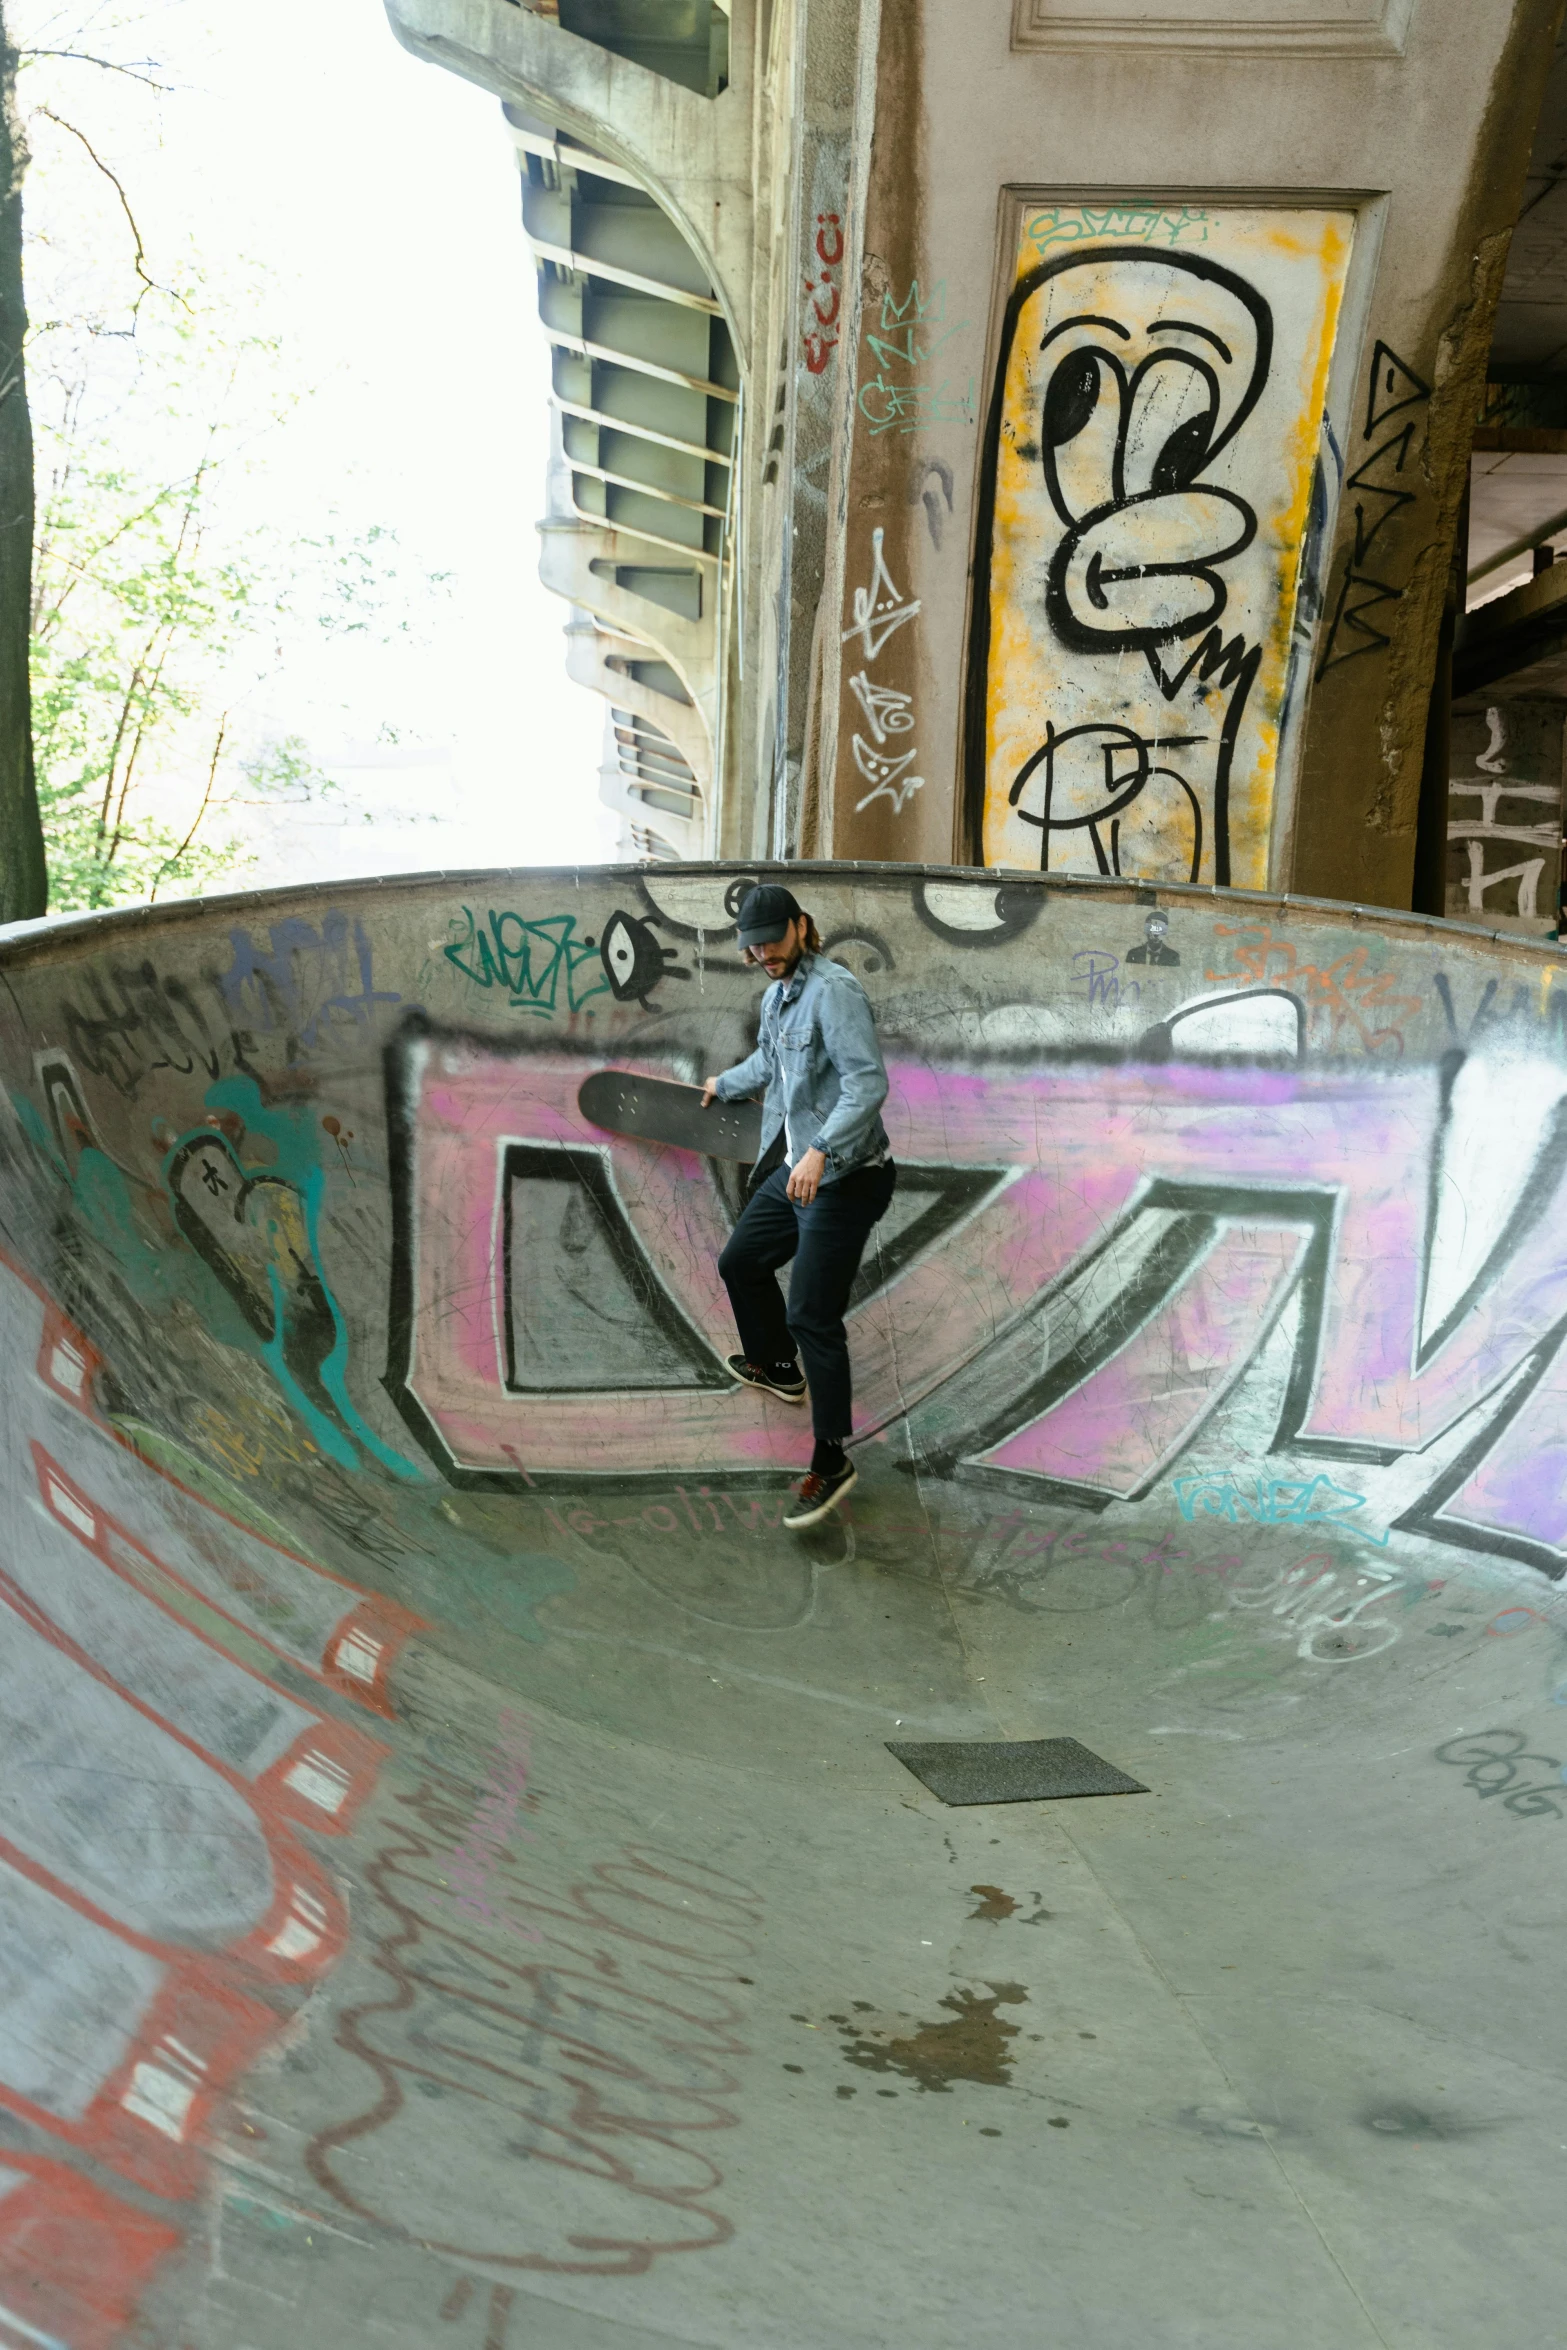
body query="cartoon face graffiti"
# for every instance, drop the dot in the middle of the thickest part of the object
(1147, 481)
(1134, 402)
(634, 961)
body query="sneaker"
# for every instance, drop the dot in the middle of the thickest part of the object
(818, 1495)
(783, 1379)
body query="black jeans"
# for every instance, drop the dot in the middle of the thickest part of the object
(826, 1241)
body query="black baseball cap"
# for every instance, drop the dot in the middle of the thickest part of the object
(766, 913)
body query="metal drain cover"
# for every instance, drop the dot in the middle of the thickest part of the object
(1013, 1770)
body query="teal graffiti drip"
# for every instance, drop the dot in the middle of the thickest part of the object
(292, 1134)
(332, 1442)
(37, 1133)
(334, 1369)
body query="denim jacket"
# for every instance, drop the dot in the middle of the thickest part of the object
(818, 1057)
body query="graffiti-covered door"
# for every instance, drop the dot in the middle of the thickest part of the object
(1146, 492)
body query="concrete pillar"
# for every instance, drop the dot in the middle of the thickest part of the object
(1202, 649)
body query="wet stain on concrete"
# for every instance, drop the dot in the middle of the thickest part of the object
(1414, 2124)
(997, 1907)
(973, 2046)
(993, 1904)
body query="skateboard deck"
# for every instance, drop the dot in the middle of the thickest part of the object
(655, 1110)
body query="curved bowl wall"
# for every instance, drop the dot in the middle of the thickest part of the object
(454, 1887)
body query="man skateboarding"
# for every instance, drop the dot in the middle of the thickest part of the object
(825, 1082)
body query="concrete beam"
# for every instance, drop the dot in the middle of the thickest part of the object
(693, 154)
(1511, 634)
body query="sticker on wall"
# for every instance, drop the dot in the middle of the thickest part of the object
(1154, 945)
(1146, 490)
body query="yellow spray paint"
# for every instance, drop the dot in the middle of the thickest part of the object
(1164, 383)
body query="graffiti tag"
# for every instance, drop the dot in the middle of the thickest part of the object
(1272, 1501)
(1345, 998)
(906, 339)
(542, 966)
(306, 984)
(1121, 224)
(823, 293)
(880, 610)
(606, 2058)
(1495, 1759)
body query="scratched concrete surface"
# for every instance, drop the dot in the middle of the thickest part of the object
(453, 1886)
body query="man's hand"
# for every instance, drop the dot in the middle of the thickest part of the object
(805, 1177)
(710, 1093)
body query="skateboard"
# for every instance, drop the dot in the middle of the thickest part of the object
(655, 1110)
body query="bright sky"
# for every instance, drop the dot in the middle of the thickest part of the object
(381, 195)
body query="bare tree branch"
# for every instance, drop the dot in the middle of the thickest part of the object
(132, 73)
(119, 737)
(169, 863)
(149, 285)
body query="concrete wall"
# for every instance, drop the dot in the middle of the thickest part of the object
(1304, 155)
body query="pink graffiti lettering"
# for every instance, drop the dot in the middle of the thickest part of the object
(495, 1824)
(1145, 1228)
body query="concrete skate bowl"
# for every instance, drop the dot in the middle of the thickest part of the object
(455, 1887)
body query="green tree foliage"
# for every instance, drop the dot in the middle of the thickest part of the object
(157, 616)
(123, 599)
(165, 605)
